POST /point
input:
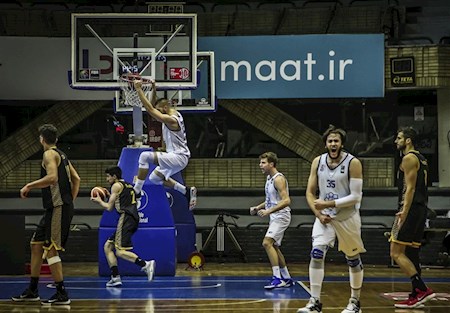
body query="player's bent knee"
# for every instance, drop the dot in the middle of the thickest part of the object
(155, 179)
(108, 246)
(53, 260)
(144, 159)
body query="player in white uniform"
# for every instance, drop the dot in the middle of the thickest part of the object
(276, 206)
(337, 177)
(176, 155)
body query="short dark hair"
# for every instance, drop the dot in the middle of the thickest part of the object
(408, 132)
(270, 156)
(334, 130)
(49, 133)
(114, 170)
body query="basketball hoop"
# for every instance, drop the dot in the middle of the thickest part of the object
(126, 83)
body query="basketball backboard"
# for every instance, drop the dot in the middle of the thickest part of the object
(100, 42)
(199, 99)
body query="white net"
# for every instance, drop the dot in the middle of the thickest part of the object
(130, 96)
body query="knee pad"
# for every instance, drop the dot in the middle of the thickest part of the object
(318, 257)
(53, 260)
(355, 262)
(319, 252)
(145, 158)
(155, 179)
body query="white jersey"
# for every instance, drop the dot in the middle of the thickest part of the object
(273, 197)
(175, 140)
(334, 183)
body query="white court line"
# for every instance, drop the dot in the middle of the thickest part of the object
(105, 279)
(51, 286)
(304, 286)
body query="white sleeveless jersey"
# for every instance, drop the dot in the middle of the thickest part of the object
(175, 140)
(334, 184)
(272, 198)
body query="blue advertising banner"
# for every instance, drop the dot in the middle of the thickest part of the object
(297, 66)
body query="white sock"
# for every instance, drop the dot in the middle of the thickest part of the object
(138, 186)
(315, 280)
(179, 187)
(285, 273)
(276, 271)
(356, 281)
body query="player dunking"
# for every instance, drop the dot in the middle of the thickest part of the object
(337, 178)
(123, 198)
(176, 155)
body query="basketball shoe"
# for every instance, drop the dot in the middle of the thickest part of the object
(289, 282)
(417, 299)
(59, 298)
(275, 283)
(191, 195)
(424, 296)
(353, 306)
(27, 296)
(313, 306)
(149, 269)
(114, 282)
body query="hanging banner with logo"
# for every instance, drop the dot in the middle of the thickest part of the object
(297, 66)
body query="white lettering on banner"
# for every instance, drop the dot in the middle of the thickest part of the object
(342, 65)
(142, 218)
(236, 67)
(296, 65)
(271, 65)
(309, 63)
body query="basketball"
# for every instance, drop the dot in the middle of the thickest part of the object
(99, 191)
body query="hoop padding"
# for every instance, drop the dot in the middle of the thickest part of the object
(126, 83)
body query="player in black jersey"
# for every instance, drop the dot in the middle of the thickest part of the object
(123, 198)
(60, 184)
(409, 223)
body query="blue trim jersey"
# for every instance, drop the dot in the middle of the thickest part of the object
(175, 140)
(273, 197)
(334, 183)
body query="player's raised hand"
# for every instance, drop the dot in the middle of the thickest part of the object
(137, 84)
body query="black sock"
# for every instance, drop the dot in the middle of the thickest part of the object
(34, 283)
(60, 287)
(114, 271)
(139, 262)
(418, 283)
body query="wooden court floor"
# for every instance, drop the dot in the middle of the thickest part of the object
(226, 287)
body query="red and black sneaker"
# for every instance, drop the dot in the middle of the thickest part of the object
(425, 295)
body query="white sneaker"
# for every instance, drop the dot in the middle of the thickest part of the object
(192, 198)
(149, 269)
(114, 282)
(353, 306)
(313, 305)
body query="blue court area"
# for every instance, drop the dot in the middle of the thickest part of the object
(183, 287)
(88, 288)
